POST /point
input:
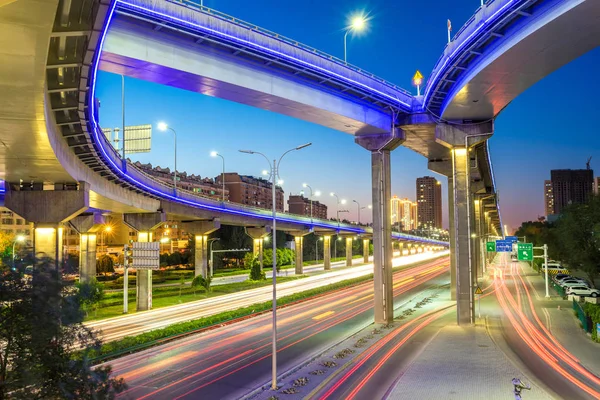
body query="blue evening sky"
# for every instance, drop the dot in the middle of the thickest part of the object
(550, 126)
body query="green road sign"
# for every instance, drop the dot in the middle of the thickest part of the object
(525, 251)
(490, 247)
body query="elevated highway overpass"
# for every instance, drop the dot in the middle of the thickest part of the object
(59, 145)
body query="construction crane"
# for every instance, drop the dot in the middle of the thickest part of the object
(587, 164)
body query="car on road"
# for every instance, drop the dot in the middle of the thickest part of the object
(583, 291)
(567, 278)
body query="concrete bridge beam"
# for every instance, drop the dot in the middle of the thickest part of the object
(380, 147)
(48, 210)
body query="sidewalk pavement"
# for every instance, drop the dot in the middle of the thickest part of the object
(563, 324)
(462, 363)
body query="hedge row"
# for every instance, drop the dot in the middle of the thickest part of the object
(593, 311)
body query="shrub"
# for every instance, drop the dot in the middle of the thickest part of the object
(255, 273)
(201, 282)
(105, 264)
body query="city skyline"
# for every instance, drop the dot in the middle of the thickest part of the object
(523, 131)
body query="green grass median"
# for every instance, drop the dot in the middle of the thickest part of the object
(131, 344)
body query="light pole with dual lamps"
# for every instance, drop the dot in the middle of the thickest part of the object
(274, 176)
(215, 154)
(358, 208)
(317, 193)
(343, 201)
(163, 127)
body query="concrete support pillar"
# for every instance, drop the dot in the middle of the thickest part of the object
(144, 224)
(380, 146)
(87, 225)
(87, 257)
(201, 230)
(366, 243)
(326, 252)
(299, 241)
(47, 244)
(258, 235)
(348, 251)
(476, 240)
(459, 139)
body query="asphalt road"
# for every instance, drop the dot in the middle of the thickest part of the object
(228, 362)
(523, 326)
(136, 323)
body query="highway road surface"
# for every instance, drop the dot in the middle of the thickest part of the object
(133, 324)
(230, 361)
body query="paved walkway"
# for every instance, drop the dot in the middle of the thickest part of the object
(462, 363)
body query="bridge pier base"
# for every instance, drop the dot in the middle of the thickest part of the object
(201, 230)
(380, 147)
(87, 225)
(457, 167)
(327, 252)
(366, 246)
(349, 252)
(144, 224)
(258, 235)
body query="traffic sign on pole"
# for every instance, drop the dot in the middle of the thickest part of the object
(490, 247)
(503, 246)
(513, 239)
(525, 251)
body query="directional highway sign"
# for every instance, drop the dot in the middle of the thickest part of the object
(512, 239)
(525, 251)
(490, 247)
(503, 246)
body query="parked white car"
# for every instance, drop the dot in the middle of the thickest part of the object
(567, 285)
(583, 291)
(570, 279)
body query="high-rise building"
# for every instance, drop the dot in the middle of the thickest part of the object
(251, 191)
(403, 214)
(298, 204)
(597, 185)
(395, 202)
(414, 215)
(571, 186)
(14, 224)
(548, 198)
(429, 202)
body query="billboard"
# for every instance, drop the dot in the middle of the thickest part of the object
(146, 255)
(138, 138)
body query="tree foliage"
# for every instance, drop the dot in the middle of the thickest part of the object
(6, 242)
(40, 322)
(105, 264)
(90, 294)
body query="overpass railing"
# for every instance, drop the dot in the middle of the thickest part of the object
(275, 35)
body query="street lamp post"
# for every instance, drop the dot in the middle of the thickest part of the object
(213, 240)
(274, 176)
(163, 127)
(358, 24)
(20, 239)
(215, 154)
(338, 206)
(358, 208)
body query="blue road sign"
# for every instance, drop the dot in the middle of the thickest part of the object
(512, 239)
(503, 246)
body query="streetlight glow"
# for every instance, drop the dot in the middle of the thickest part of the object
(317, 193)
(264, 171)
(358, 23)
(20, 238)
(162, 126)
(214, 154)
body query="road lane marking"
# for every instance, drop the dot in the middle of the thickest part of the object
(321, 316)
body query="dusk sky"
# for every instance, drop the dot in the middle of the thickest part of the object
(552, 125)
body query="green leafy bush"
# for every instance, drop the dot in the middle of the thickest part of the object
(201, 282)
(255, 272)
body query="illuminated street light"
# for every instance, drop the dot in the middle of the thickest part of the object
(317, 193)
(359, 208)
(215, 154)
(274, 175)
(163, 127)
(358, 24)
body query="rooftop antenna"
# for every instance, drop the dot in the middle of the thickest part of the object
(587, 164)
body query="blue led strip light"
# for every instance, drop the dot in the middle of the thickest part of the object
(95, 135)
(482, 25)
(256, 46)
